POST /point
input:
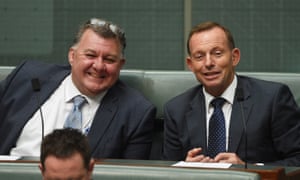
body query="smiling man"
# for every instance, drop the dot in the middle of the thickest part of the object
(117, 119)
(208, 122)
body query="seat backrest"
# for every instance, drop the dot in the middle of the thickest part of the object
(30, 171)
(164, 85)
(122, 172)
(17, 171)
(161, 86)
(4, 71)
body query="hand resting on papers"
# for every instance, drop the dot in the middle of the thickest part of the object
(195, 155)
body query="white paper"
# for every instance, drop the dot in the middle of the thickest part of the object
(9, 158)
(202, 165)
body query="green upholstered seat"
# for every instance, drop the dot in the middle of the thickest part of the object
(20, 171)
(116, 172)
(30, 171)
(160, 86)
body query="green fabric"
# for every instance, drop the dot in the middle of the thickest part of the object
(30, 171)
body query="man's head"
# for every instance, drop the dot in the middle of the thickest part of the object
(212, 56)
(65, 154)
(97, 56)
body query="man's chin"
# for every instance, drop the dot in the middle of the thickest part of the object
(211, 83)
(94, 89)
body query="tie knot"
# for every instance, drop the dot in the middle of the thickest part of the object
(218, 102)
(78, 101)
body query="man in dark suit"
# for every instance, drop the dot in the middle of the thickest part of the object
(117, 119)
(260, 119)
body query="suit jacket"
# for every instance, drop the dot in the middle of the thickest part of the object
(122, 126)
(272, 120)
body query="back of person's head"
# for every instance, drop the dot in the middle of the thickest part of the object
(205, 26)
(104, 29)
(63, 144)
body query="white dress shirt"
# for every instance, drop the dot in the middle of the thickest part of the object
(228, 95)
(55, 111)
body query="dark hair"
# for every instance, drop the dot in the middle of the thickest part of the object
(63, 143)
(104, 29)
(207, 26)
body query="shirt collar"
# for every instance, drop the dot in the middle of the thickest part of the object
(71, 91)
(228, 94)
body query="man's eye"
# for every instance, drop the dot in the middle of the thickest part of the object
(198, 57)
(109, 60)
(218, 53)
(90, 56)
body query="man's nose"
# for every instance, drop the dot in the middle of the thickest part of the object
(99, 63)
(209, 60)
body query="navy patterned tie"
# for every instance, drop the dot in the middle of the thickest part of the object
(217, 131)
(74, 119)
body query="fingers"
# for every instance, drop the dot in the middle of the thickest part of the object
(194, 152)
(195, 155)
(228, 158)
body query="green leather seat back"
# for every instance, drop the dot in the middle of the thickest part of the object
(115, 172)
(164, 85)
(20, 171)
(161, 86)
(30, 171)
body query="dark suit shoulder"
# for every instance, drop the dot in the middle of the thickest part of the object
(265, 91)
(129, 94)
(38, 67)
(185, 97)
(28, 70)
(260, 84)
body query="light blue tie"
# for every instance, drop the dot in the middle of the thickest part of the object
(74, 119)
(217, 131)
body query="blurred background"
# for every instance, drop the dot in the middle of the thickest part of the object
(266, 31)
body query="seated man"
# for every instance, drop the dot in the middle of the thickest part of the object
(229, 118)
(117, 119)
(65, 154)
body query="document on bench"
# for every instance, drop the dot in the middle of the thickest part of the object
(202, 165)
(9, 158)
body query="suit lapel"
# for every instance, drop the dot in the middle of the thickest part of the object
(196, 122)
(103, 118)
(236, 130)
(48, 85)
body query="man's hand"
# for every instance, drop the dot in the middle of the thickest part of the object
(228, 158)
(195, 155)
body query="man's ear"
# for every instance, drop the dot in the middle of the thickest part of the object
(92, 163)
(236, 55)
(123, 61)
(189, 64)
(91, 167)
(71, 55)
(42, 169)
